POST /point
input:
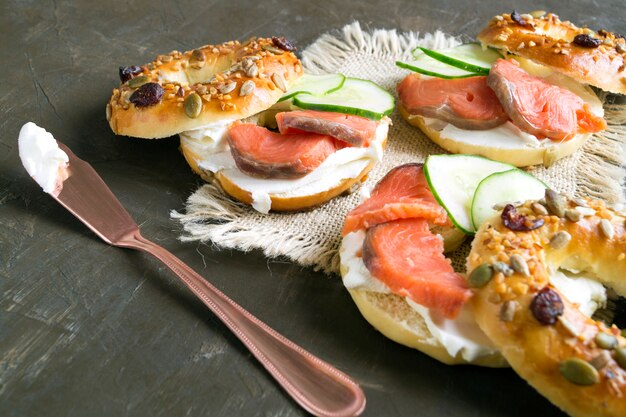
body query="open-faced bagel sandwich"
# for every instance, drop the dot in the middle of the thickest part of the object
(522, 95)
(221, 99)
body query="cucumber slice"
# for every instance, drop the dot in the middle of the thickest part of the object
(428, 66)
(504, 187)
(469, 57)
(315, 84)
(358, 97)
(453, 180)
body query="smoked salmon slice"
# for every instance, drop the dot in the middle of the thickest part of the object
(402, 193)
(262, 153)
(408, 258)
(538, 107)
(467, 103)
(355, 130)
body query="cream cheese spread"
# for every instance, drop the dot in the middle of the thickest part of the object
(42, 158)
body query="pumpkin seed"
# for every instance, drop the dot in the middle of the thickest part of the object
(507, 311)
(480, 276)
(601, 360)
(555, 203)
(518, 263)
(573, 215)
(539, 209)
(579, 372)
(193, 105)
(272, 49)
(620, 357)
(503, 268)
(279, 81)
(138, 81)
(247, 88)
(606, 228)
(606, 341)
(537, 13)
(560, 239)
(227, 88)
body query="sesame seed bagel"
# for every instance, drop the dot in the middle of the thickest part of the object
(185, 91)
(521, 155)
(574, 361)
(595, 58)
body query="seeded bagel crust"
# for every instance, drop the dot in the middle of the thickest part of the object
(536, 350)
(549, 41)
(521, 156)
(216, 74)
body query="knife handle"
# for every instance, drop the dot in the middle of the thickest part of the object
(317, 386)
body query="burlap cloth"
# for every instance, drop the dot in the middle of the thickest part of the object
(312, 238)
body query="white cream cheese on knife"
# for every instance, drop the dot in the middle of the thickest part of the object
(42, 157)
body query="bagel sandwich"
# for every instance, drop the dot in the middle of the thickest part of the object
(524, 97)
(220, 99)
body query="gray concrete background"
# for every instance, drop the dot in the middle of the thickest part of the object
(91, 330)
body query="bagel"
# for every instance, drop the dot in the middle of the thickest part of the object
(340, 173)
(407, 323)
(178, 91)
(595, 58)
(574, 361)
(507, 143)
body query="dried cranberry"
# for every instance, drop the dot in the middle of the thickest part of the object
(547, 306)
(283, 43)
(518, 222)
(127, 73)
(147, 95)
(586, 41)
(517, 18)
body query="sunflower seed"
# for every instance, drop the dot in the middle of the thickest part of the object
(573, 215)
(247, 88)
(279, 81)
(560, 240)
(580, 202)
(568, 326)
(197, 55)
(601, 360)
(507, 311)
(227, 88)
(518, 263)
(539, 209)
(503, 268)
(585, 211)
(252, 71)
(555, 203)
(606, 228)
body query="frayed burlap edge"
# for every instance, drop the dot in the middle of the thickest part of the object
(211, 216)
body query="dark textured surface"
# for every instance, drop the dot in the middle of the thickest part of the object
(91, 330)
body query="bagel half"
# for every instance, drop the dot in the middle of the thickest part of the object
(401, 320)
(185, 91)
(595, 58)
(289, 201)
(545, 337)
(506, 143)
